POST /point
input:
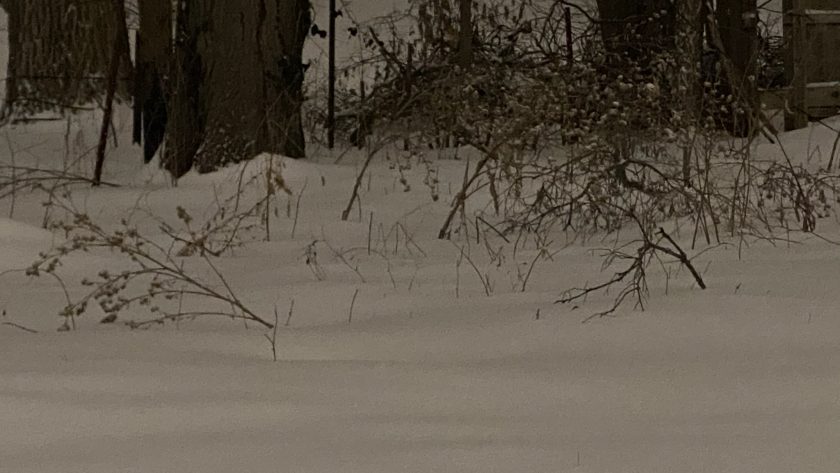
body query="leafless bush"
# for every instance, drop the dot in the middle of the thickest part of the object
(236, 218)
(155, 273)
(588, 148)
(161, 275)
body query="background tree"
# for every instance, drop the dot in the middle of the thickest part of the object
(59, 54)
(465, 33)
(689, 27)
(238, 82)
(735, 34)
(153, 54)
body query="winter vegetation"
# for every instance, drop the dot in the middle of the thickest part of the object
(423, 235)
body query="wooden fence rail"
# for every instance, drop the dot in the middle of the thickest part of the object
(812, 62)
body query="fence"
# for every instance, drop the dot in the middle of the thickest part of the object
(812, 61)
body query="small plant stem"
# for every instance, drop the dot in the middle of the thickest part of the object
(297, 208)
(291, 311)
(273, 338)
(21, 327)
(352, 304)
(370, 230)
(461, 197)
(355, 195)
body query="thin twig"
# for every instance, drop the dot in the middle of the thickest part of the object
(21, 327)
(291, 311)
(352, 304)
(297, 207)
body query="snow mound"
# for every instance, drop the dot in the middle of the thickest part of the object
(12, 231)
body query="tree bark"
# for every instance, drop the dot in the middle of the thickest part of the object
(233, 86)
(111, 88)
(153, 51)
(59, 54)
(284, 54)
(185, 114)
(239, 87)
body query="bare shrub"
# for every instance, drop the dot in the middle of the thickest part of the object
(592, 147)
(161, 275)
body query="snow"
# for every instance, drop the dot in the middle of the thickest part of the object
(431, 374)
(741, 377)
(651, 393)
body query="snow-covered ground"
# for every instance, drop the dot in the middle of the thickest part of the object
(742, 377)
(431, 374)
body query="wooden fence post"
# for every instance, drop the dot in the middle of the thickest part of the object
(795, 34)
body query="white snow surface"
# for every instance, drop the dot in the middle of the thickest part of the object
(742, 377)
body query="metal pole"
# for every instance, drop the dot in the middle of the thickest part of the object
(331, 79)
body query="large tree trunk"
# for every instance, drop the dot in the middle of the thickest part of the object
(292, 19)
(59, 54)
(233, 87)
(153, 52)
(239, 90)
(185, 115)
